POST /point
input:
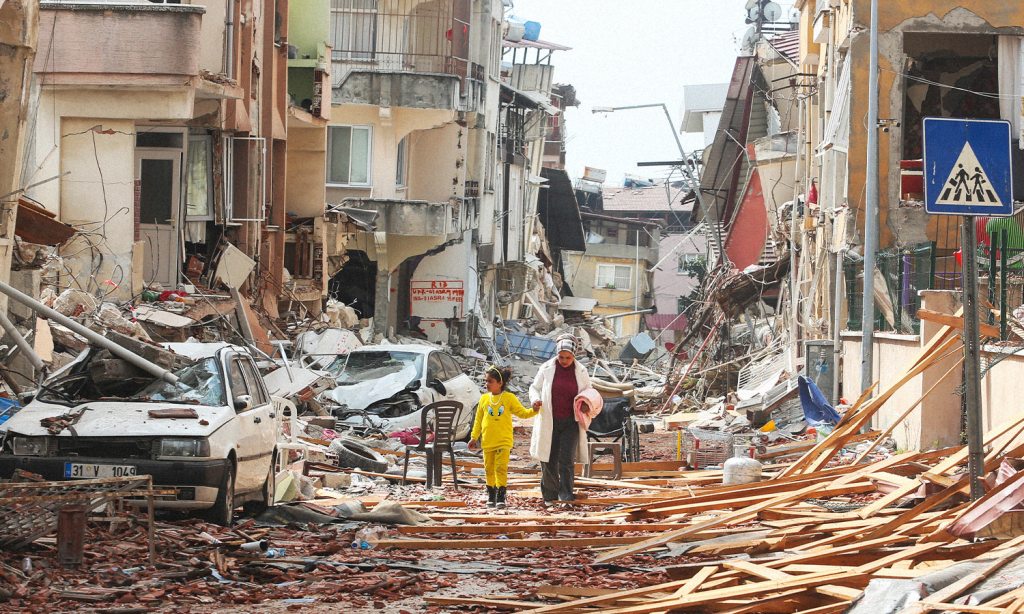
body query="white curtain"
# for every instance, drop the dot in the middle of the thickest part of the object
(1011, 82)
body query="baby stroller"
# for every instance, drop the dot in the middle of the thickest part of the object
(615, 424)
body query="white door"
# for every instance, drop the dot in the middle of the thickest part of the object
(159, 176)
(250, 454)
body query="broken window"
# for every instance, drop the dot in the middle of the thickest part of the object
(367, 366)
(614, 276)
(199, 383)
(348, 155)
(947, 75)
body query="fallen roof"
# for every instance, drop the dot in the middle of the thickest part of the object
(531, 100)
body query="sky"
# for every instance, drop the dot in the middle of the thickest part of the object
(634, 52)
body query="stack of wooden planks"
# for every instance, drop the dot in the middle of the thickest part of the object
(809, 539)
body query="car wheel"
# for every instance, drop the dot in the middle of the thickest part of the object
(223, 510)
(266, 500)
(353, 454)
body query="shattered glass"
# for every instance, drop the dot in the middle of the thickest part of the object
(366, 366)
(200, 382)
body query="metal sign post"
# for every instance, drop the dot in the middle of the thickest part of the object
(972, 359)
(968, 172)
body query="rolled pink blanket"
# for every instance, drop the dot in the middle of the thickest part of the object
(587, 405)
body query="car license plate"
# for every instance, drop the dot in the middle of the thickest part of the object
(85, 471)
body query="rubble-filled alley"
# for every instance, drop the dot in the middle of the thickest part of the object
(371, 305)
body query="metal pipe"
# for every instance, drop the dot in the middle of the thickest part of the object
(837, 342)
(22, 343)
(794, 228)
(91, 335)
(972, 361)
(867, 325)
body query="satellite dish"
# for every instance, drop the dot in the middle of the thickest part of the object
(772, 12)
(753, 12)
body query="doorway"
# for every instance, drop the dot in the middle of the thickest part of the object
(158, 171)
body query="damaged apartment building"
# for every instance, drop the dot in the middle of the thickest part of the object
(385, 153)
(170, 161)
(783, 187)
(434, 146)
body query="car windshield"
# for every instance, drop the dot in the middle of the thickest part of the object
(200, 383)
(365, 366)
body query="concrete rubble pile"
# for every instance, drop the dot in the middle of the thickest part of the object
(827, 521)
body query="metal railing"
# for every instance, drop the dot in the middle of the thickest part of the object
(402, 35)
(905, 272)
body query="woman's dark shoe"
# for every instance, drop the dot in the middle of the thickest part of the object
(500, 498)
(492, 496)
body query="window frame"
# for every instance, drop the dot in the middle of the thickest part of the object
(449, 363)
(614, 277)
(402, 163)
(369, 157)
(205, 142)
(434, 357)
(251, 376)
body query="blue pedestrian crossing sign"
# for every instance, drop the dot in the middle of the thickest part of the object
(967, 167)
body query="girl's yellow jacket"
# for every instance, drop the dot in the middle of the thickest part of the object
(493, 423)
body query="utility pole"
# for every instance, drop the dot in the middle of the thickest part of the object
(867, 325)
(19, 31)
(688, 171)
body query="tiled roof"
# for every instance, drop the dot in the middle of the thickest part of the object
(654, 198)
(788, 45)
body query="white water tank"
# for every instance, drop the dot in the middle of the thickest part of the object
(741, 469)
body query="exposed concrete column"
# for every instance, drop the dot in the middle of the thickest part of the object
(19, 30)
(382, 292)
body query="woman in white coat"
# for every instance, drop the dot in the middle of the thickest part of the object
(558, 440)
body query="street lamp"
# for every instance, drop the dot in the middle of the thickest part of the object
(688, 169)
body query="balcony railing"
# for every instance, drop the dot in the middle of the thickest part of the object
(401, 35)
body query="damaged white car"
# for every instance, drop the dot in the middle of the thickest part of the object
(384, 387)
(211, 438)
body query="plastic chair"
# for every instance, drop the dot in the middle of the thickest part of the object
(443, 429)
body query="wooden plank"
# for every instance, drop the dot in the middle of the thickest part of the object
(504, 604)
(694, 583)
(955, 322)
(740, 515)
(839, 592)
(954, 590)
(758, 571)
(500, 529)
(743, 591)
(492, 544)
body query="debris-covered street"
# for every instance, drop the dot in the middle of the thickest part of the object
(417, 306)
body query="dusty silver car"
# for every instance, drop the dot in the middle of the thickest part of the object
(384, 387)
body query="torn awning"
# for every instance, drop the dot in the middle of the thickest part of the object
(530, 100)
(365, 219)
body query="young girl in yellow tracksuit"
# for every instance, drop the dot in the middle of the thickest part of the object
(493, 429)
